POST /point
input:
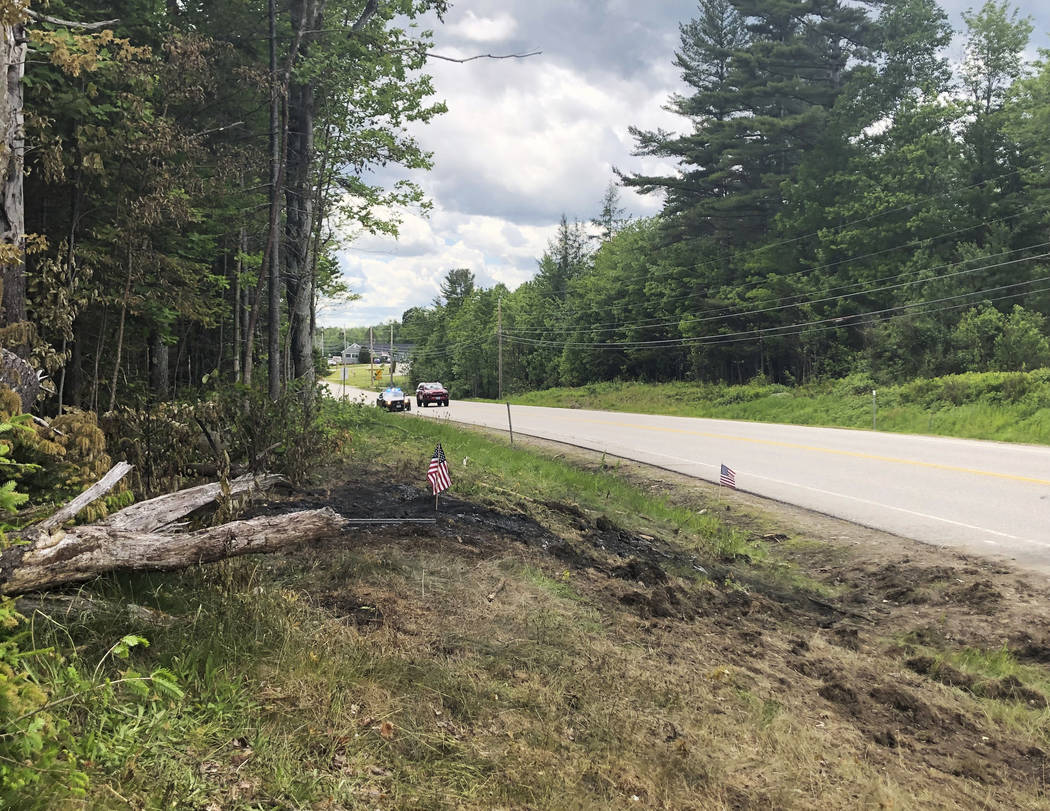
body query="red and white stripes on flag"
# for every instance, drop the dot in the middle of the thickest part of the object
(437, 473)
(727, 477)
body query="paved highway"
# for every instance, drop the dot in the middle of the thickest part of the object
(985, 497)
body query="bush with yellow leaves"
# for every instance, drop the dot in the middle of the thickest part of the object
(58, 462)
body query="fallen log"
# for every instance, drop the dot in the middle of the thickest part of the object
(84, 552)
(97, 490)
(146, 516)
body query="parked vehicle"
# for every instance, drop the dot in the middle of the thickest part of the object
(393, 399)
(427, 393)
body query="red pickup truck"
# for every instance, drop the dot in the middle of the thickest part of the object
(427, 393)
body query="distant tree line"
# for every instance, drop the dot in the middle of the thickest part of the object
(842, 202)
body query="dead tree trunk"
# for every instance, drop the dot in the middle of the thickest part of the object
(87, 551)
(129, 541)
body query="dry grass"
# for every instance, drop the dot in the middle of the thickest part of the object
(554, 696)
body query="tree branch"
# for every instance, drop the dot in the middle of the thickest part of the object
(44, 18)
(367, 13)
(97, 490)
(430, 55)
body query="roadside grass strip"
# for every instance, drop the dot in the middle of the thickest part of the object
(1004, 406)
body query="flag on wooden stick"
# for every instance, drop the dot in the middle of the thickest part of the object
(437, 473)
(727, 477)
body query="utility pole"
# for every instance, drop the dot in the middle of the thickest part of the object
(391, 353)
(371, 357)
(499, 341)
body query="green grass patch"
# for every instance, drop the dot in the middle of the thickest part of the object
(488, 469)
(1005, 406)
(362, 376)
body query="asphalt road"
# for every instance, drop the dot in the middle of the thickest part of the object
(985, 497)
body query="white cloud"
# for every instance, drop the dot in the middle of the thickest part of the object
(524, 141)
(483, 29)
(390, 279)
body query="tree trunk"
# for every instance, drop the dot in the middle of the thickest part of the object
(120, 336)
(298, 228)
(158, 366)
(146, 516)
(44, 555)
(275, 217)
(98, 357)
(87, 551)
(237, 309)
(12, 158)
(73, 381)
(307, 15)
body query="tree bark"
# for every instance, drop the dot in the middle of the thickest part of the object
(158, 366)
(120, 336)
(88, 551)
(275, 216)
(12, 158)
(146, 516)
(47, 556)
(237, 308)
(307, 15)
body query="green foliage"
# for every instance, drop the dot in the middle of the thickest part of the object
(53, 463)
(62, 716)
(172, 444)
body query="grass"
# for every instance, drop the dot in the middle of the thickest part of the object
(492, 471)
(1006, 406)
(413, 668)
(360, 375)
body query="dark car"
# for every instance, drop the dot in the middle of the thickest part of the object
(427, 393)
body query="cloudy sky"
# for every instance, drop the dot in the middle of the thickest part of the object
(527, 140)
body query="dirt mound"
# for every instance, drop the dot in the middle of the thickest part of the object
(941, 672)
(1010, 688)
(901, 582)
(980, 597)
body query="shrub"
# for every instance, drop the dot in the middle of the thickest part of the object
(237, 430)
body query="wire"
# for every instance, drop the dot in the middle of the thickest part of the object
(717, 314)
(798, 274)
(895, 316)
(766, 330)
(795, 330)
(728, 313)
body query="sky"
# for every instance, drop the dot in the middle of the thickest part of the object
(527, 140)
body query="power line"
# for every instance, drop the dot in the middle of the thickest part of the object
(791, 276)
(895, 316)
(717, 314)
(765, 331)
(788, 330)
(728, 313)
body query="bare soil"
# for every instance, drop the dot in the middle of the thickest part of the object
(852, 630)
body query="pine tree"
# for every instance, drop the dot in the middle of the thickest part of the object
(766, 76)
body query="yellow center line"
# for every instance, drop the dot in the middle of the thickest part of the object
(833, 451)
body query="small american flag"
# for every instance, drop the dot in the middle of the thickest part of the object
(437, 473)
(727, 477)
